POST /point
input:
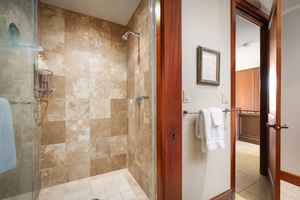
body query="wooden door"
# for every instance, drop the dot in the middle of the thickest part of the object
(274, 120)
(169, 101)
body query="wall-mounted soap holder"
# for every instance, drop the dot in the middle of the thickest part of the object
(46, 75)
(139, 97)
(43, 80)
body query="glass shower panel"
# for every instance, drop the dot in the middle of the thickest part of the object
(154, 7)
(18, 132)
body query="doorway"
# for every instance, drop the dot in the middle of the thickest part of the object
(248, 122)
(248, 177)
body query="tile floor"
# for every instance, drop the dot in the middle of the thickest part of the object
(289, 191)
(26, 196)
(250, 185)
(120, 185)
(117, 185)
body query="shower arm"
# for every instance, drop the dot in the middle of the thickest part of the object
(135, 34)
(139, 97)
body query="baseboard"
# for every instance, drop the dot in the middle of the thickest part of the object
(290, 178)
(227, 195)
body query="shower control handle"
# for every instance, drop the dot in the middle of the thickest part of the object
(139, 97)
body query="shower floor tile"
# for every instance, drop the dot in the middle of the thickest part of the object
(110, 186)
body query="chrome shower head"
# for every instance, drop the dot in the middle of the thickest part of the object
(125, 36)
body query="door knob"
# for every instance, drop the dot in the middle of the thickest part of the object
(271, 125)
(277, 127)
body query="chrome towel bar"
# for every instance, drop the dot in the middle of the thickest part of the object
(185, 112)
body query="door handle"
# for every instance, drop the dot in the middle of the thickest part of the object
(271, 125)
(277, 127)
(283, 127)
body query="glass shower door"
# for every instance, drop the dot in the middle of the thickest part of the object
(18, 133)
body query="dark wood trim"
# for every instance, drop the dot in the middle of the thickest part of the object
(240, 10)
(159, 119)
(233, 93)
(254, 12)
(169, 105)
(264, 99)
(290, 178)
(227, 195)
(248, 17)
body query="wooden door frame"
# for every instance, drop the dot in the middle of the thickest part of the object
(256, 16)
(169, 104)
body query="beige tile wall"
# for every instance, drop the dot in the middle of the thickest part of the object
(84, 124)
(139, 76)
(84, 129)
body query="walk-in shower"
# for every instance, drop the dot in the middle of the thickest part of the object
(88, 131)
(135, 34)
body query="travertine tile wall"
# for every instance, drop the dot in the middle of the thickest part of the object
(139, 78)
(16, 80)
(84, 123)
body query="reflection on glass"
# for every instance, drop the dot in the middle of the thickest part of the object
(272, 89)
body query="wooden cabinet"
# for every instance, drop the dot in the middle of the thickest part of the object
(248, 89)
(248, 99)
(248, 127)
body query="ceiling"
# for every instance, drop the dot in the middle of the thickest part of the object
(247, 56)
(290, 5)
(117, 11)
(247, 44)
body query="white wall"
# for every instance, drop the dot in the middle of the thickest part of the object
(290, 107)
(205, 23)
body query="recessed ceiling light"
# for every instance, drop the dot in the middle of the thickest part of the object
(246, 44)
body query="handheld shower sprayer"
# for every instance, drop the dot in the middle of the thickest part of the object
(125, 36)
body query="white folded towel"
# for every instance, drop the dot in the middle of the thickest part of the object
(212, 137)
(216, 116)
(7, 142)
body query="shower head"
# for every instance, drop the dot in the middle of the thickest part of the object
(125, 36)
(13, 33)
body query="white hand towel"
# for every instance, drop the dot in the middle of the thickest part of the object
(212, 137)
(216, 115)
(7, 142)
